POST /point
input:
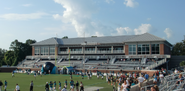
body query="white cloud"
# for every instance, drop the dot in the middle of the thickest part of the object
(128, 31)
(14, 16)
(57, 16)
(79, 13)
(143, 29)
(148, 19)
(27, 5)
(168, 32)
(124, 31)
(131, 3)
(110, 1)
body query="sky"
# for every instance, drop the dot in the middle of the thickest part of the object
(43, 19)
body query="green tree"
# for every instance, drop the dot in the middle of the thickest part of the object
(65, 37)
(9, 57)
(2, 53)
(182, 63)
(18, 52)
(179, 48)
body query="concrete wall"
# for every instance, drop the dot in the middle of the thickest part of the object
(175, 60)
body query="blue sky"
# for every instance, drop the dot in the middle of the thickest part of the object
(43, 19)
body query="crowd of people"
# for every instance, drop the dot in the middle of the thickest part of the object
(120, 81)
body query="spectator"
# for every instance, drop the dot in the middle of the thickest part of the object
(146, 77)
(1, 84)
(64, 89)
(17, 88)
(47, 86)
(124, 86)
(77, 86)
(155, 79)
(152, 89)
(156, 88)
(141, 79)
(180, 79)
(31, 86)
(161, 76)
(81, 87)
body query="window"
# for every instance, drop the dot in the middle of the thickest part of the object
(104, 49)
(45, 50)
(132, 49)
(155, 48)
(143, 49)
(52, 50)
(89, 49)
(76, 49)
(37, 50)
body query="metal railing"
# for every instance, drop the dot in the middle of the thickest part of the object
(157, 64)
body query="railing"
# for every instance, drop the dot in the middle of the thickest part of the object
(103, 51)
(63, 52)
(157, 64)
(117, 51)
(89, 51)
(21, 62)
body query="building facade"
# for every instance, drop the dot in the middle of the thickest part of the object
(144, 44)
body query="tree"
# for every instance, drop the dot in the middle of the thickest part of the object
(2, 53)
(18, 52)
(179, 48)
(9, 57)
(182, 63)
(65, 37)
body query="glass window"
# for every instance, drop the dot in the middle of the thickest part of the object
(132, 49)
(155, 48)
(143, 49)
(52, 50)
(37, 50)
(45, 50)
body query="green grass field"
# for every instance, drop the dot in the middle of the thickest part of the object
(39, 83)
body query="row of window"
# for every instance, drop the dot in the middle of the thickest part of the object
(46, 50)
(90, 49)
(144, 49)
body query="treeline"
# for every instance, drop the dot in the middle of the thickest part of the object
(16, 53)
(179, 48)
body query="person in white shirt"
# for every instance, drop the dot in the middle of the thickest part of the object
(176, 71)
(124, 86)
(161, 76)
(141, 79)
(64, 89)
(17, 88)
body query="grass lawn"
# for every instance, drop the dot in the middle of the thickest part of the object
(39, 83)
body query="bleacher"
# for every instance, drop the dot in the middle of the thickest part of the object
(93, 62)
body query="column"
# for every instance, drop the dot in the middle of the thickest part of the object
(112, 48)
(56, 50)
(82, 50)
(136, 49)
(39, 50)
(95, 49)
(33, 51)
(150, 49)
(67, 49)
(126, 49)
(49, 50)
(123, 49)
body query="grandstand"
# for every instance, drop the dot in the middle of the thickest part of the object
(128, 52)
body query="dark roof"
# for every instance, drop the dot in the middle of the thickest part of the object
(105, 39)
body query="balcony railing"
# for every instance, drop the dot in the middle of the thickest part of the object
(103, 51)
(63, 52)
(76, 52)
(89, 51)
(117, 51)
